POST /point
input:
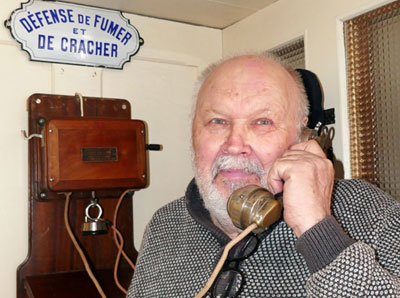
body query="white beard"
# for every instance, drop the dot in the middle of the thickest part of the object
(215, 201)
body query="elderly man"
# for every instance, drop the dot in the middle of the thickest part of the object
(248, 116)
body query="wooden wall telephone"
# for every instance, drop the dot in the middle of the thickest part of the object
(81, 145)
(254, 204)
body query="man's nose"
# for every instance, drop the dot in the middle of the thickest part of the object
(237, 142)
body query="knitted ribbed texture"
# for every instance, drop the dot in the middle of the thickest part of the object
(180, 249)
(321, 244)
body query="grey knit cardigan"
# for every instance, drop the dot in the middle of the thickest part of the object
(354, 253)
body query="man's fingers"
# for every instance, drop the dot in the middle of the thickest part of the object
(277, 175)
(311, 146)
(301, 159)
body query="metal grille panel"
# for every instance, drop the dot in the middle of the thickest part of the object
(292, 53)
(373, 75)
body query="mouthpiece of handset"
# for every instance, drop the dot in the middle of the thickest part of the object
(253, 204)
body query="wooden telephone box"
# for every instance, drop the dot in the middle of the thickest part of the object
(79, 145)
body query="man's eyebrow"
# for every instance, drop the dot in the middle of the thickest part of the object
(267, 110)
(214, 111)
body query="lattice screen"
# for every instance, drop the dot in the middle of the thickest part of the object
(373, 74)
(292, 53)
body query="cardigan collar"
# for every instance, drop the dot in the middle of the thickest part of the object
(195, 206)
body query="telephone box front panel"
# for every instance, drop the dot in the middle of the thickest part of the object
(90, 154)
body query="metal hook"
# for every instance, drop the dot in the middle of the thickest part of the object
(331, 133)
(94, 200)
(34, 135)
(93, 205)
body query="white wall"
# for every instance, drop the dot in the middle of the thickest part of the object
(158, 83)
(320, 22)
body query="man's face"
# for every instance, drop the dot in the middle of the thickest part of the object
(245, 119)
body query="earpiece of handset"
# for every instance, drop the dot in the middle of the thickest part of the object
(253, 204)
(320, 133)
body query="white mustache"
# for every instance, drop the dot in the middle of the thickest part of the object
(228, 162)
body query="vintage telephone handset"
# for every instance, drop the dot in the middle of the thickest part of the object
(254, 204)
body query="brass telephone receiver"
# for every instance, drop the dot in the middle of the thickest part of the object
(254, 204)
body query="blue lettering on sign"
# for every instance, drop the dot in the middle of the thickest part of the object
(82, 46)
(83, 19)
(105, 52)
(63, 17)
(89, 47)
(120, 32)
(24, 22)
(113, 29)
(40, 18)
(47, 17)
(45, 42)
(64, 41)
(31, 17)
(96, 20)
(54, 15)
(72, 45)
(98, 48)
(50, 42)
(104, 24)
(126, 38)
(70, 18)
(41, 41)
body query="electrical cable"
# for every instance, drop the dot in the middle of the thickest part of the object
(117, 262)
(118, 239)
(119, 242)
(221, 261)
(81, 103)
(78, 248)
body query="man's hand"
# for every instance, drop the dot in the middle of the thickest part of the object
(306, 177)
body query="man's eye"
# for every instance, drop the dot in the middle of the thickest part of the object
(263, 122)
(218, 121)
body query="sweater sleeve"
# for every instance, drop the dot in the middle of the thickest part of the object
(343, 267)
(354, 273)
(321, 244)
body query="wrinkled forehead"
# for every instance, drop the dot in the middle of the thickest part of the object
(247, 75)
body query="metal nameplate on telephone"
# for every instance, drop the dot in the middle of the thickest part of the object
(99, 154)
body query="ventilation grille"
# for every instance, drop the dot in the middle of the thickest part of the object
(292, 53)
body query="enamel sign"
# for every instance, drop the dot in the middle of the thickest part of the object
(62, 32)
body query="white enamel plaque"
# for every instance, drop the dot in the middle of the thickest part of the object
(63, 32)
